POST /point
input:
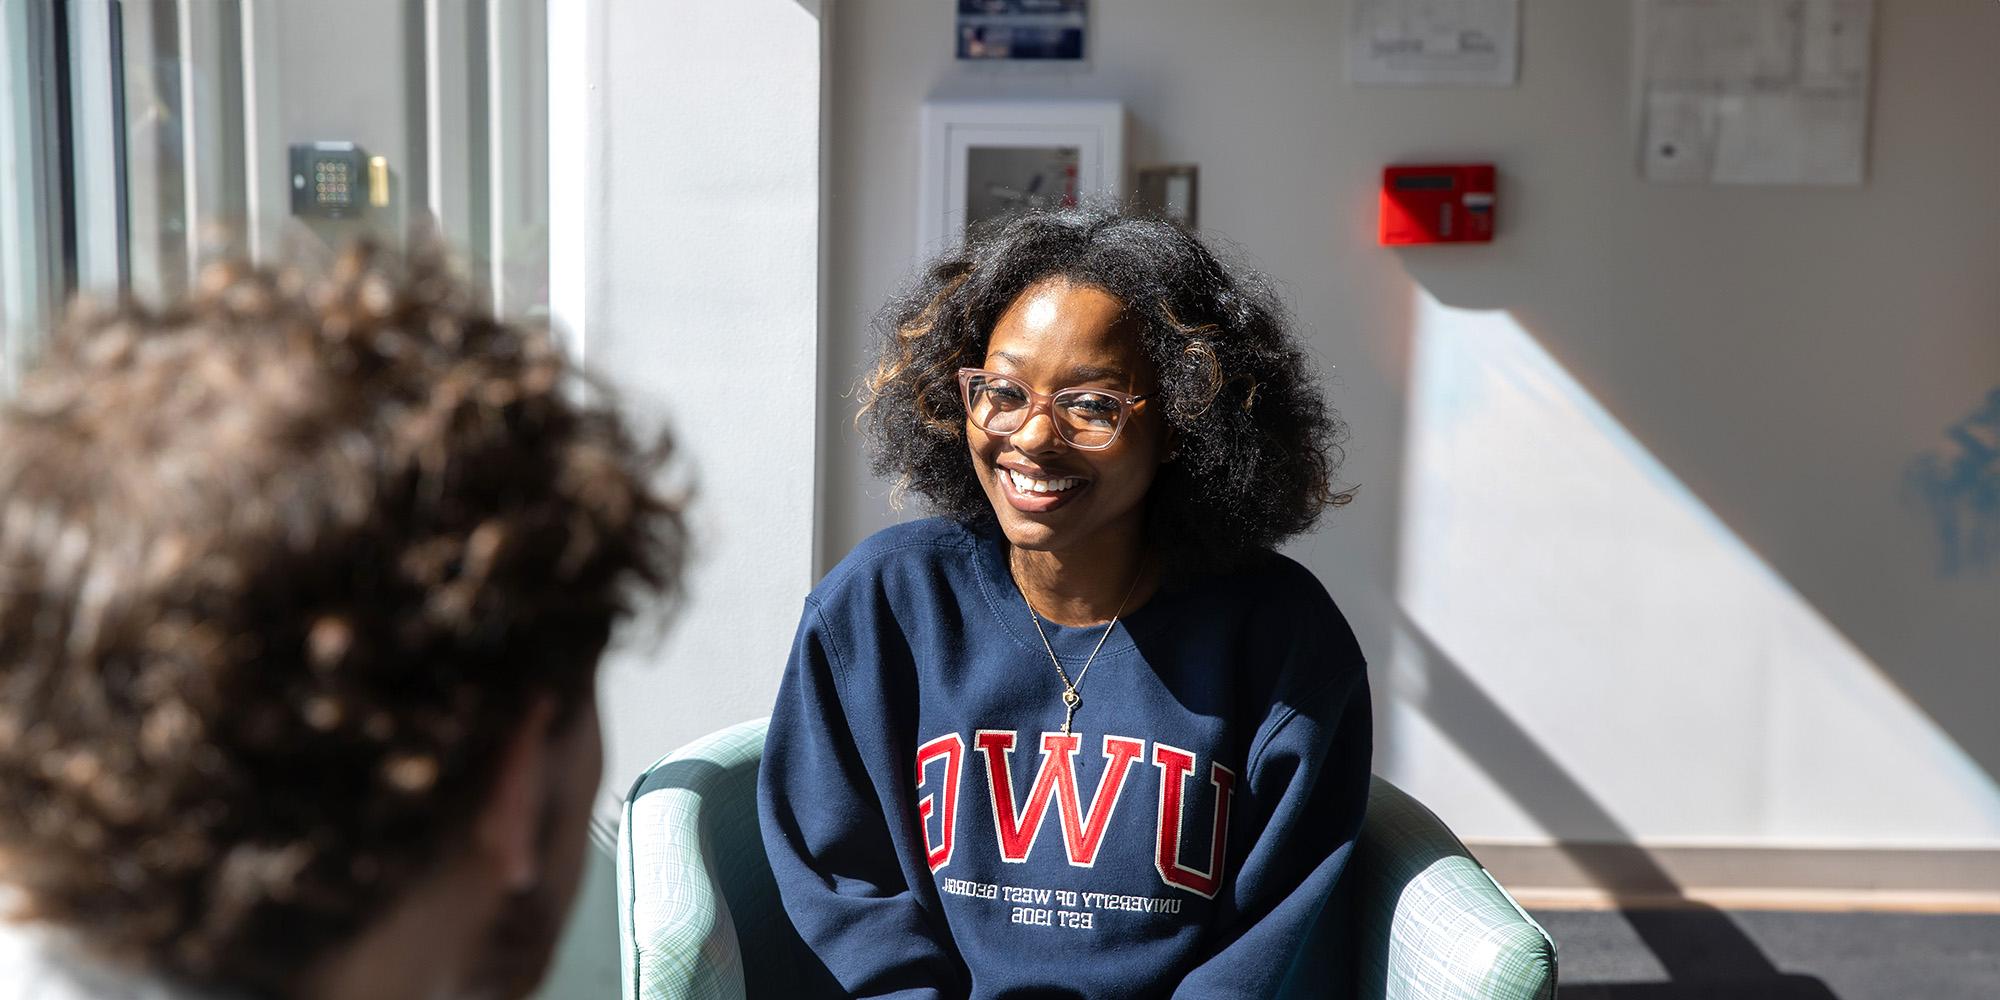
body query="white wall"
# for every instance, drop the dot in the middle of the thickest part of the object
(684, 186)
(1633, 554)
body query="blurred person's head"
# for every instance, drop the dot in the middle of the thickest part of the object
(303, 586)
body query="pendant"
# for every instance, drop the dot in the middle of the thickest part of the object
(1070, 702)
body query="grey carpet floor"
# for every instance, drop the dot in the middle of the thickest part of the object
(1705, 954)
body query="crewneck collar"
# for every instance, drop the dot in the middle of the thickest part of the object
(1010, 608)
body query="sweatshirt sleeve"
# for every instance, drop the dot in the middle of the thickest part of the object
(829, 780)
(1307, 789)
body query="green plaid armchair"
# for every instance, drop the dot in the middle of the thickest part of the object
(699, 916)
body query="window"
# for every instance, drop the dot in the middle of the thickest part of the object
(143, 138)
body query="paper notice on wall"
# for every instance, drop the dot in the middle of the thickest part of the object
(1463, 42)
(1754, 91)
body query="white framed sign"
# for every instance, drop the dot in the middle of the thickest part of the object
(1033, 31)
(985, 159)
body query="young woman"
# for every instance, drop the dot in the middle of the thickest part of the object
(1084, 734)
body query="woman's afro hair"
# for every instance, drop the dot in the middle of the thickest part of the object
(1255, 445)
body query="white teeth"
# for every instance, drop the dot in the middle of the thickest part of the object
(1026, 484)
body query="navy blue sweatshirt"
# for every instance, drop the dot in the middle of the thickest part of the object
(934, 833)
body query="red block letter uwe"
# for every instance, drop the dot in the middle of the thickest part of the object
(952, 749)
(1175, 766)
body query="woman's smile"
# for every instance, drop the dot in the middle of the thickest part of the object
(1033, 491)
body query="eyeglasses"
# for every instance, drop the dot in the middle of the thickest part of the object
(1089, 419)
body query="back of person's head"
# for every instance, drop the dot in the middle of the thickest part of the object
(286, 572)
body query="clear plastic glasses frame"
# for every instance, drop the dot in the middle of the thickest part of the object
(999, 421)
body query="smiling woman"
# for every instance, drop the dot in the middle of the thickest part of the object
(1116, 430)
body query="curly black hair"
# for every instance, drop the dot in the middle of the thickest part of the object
(1256, 445)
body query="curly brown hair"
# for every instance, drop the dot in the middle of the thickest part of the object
(280, 569)
(1257, 447)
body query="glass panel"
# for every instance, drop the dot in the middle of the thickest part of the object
(31, 244)
(155, 141)
(1001, 180)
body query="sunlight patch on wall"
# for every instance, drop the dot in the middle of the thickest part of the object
(1627, 631)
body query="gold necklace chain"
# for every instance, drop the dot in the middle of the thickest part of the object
(1072, 694)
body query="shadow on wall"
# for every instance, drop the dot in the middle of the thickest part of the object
(1703, 952)
(1622, 620)
(1544, 551)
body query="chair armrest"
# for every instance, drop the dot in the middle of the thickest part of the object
(1430, 921)
(676, 936)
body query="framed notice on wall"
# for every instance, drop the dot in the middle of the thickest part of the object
(984, 160)
(1434, 42)
(1754, 91)
(1041, 31)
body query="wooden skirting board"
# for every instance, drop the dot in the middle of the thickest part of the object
(1621, 876)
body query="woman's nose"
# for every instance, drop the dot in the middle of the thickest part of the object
(1038, 434)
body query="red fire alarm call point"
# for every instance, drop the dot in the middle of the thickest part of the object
(1437, 203)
